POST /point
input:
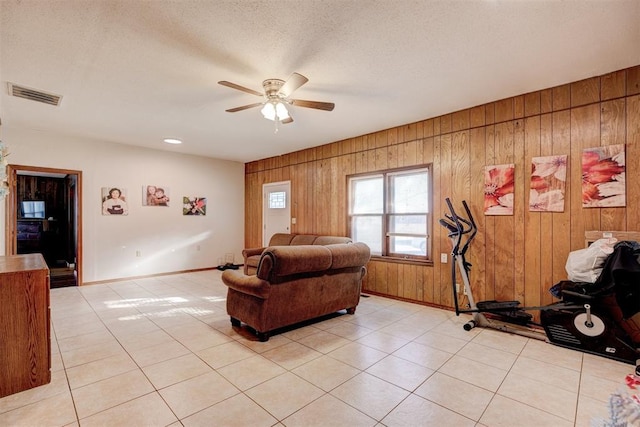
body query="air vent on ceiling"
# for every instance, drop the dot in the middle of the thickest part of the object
(34, 95)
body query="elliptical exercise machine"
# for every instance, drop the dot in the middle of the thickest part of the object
(576, 322)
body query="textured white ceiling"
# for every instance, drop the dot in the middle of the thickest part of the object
(135, 72)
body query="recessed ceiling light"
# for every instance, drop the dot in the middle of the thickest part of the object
(172, 141)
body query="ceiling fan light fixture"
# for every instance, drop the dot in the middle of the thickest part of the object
(269, 111)
(281, 111)
(275, 110)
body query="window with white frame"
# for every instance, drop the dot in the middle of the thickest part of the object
(389, 211)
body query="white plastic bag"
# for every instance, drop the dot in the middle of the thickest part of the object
(585, 265)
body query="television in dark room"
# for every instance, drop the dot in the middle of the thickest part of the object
(33, 209)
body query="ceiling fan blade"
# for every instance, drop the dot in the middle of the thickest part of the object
(293, 82)
(244, 107)
(327, 106)
(238, 87)
(287, 120)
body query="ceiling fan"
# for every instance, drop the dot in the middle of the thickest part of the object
(277, 96)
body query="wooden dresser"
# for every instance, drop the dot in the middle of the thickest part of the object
(25, 345)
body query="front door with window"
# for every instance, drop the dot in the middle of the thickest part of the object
(276, 209)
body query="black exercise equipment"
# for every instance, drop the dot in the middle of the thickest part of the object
(579, 321)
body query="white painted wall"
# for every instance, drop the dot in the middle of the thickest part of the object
(167, 240)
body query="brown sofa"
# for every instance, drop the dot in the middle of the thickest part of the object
(296, 283)
(252, 256)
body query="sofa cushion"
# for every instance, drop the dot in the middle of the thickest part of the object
(331, 240)
(281, 239)
(303, 239)
(349, 255)
(288, 260)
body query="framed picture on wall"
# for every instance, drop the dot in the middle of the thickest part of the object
(547, 185)
(155, 195)
(194, 205)
(603, 177)
(498, 189)
(114, 201)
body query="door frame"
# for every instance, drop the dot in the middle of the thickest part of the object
(11, 210)
(265, 193)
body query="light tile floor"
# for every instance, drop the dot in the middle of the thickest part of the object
(161, 352)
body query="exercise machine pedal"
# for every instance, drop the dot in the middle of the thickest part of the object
(517, 317)
(497, 306)
(507, 311)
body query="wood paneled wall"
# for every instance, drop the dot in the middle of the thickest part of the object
(513, 257)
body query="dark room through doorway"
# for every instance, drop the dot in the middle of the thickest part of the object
(43, 216)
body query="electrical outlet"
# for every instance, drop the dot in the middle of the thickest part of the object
(443, 258)
(138, 253)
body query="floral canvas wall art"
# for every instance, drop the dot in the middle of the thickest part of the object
(603, 176)
(498, 189)
(155, 195)
(548, 179)
(194, 205)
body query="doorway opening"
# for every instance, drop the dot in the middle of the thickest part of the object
(44, 215)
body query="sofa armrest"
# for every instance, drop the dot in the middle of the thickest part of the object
(251, 285)
(246, 253)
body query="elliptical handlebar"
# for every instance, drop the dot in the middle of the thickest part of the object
(473, 229)
(458, 226)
